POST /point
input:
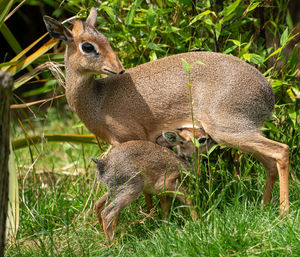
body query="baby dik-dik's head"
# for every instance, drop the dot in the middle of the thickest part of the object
(88, 51)
(182, 138)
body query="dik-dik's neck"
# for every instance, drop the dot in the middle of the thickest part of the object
(78, 86)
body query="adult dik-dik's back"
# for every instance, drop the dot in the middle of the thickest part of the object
(231, 98)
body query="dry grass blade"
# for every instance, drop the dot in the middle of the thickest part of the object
(27, 61)
(21, 106)
(5, 12)
(52, 66)
(28, 140)
(14, 10)
(21, 54)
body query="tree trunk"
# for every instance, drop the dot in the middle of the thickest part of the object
(6, 83)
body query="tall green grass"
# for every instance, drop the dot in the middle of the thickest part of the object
(57, 180)
(57, 218)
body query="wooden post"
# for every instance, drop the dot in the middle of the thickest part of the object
(6, 84)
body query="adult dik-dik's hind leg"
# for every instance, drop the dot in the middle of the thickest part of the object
(273, 155)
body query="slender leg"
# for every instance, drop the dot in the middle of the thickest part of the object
(148, 201)
(275, 158)
(112, 211)
(99, 206)
(236, 163)
(183, 197)
(165, 203)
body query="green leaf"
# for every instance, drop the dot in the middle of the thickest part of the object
(48, 87)
(274, 53)
(154, 46)
(246, 57)
(236, 42)
(153, 56)
(293, 116)
(200, 16)
(230, 49)
(110, 12)
(185, 66)
(195, 141)
(218, 27)
(211, 149)
(230, 9)
(5, 11)
(131, 13)
(289, 20)
(272, 127)
(253, 6)
(82, 139)
(284, 36)
(10, 38)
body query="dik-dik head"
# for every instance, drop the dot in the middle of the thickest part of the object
(182, 138)
(88, 51)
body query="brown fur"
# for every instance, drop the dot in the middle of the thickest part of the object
(182, 139)
(132, 168)
(231, 99)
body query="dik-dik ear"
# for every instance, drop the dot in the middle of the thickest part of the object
(95, 160)
(92, 18)
(57, 30)
(172, 138)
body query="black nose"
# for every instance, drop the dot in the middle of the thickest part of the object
(122, 71)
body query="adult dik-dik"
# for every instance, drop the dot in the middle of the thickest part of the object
(231, 98)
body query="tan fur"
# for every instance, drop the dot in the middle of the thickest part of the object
(231, 99)
(134, 167)
(185, 145)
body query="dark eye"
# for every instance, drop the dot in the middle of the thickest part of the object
(88, 48)
(202, 140)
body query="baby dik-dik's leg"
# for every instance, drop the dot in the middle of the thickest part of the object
(148, 200)
(275, 158)
(171, 185)
(165, 203)
(99, 206)
(112, 211)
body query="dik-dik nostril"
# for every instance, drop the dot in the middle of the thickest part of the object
(122, 71)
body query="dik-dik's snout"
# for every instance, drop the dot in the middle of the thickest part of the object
(113, 65)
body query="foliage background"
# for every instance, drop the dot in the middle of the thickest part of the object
(56, 178)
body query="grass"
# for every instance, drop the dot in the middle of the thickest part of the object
(57, 196)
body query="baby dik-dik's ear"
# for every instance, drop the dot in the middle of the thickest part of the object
(95, 160)
(172, 138)
(57, 30)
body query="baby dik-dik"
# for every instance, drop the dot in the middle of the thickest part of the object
(134, 167)
(182, 139)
